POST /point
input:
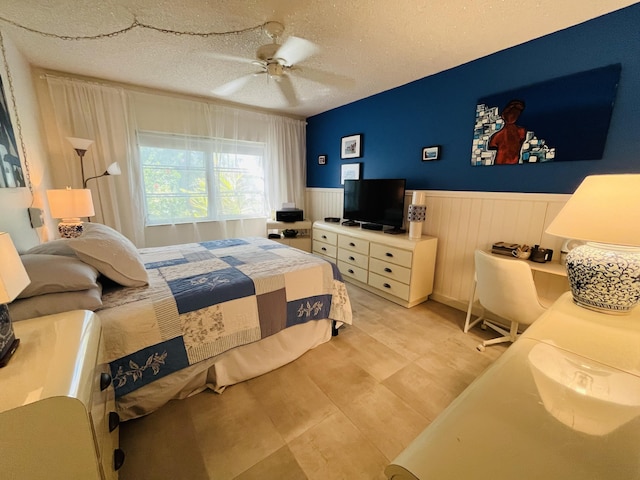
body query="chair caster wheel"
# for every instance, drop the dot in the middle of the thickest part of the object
(481, 348)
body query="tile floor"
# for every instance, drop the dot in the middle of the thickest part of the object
(344, 410)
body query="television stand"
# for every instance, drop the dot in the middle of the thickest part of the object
(372, 226)
(395, 231)
(350, 223)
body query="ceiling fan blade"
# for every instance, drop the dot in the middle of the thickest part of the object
(233, 86)
(323, 77)
(294, 50)
(228, 58)
(286, 87)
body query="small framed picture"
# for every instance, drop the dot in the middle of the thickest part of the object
(322, 159)
(351, 146)
(349, 171)
(431, 153)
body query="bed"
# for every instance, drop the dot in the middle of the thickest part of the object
(179, 319)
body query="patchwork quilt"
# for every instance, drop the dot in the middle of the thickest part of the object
(206, 298)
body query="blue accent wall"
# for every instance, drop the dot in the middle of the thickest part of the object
(440, 110)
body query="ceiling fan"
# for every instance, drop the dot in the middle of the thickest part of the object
(277, 62)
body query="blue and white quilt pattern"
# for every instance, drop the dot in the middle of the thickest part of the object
(206, 298)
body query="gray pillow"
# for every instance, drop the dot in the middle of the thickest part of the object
(55, 274)
(51, 303)
(111, 253)
(54, 247)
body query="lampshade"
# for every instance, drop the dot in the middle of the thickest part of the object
(113, 169)
(603, 209)
(604, 272)
(80, 143)
(13, 276)
(13, 279)
(70, 203)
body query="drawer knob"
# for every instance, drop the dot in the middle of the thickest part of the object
(324, 236)
(324, 249)
(351, 244)
(352, 259)
(114, 421)
(386, 285)
(105, 381)
(351, 271)
(389, 254)
(388, 270)
(118, 458)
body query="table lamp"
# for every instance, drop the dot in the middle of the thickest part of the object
(604, 273)
(13, 279)
(70, 205)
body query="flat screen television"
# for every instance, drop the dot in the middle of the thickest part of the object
(375, 202)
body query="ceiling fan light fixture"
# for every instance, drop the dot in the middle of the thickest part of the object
(275, 70)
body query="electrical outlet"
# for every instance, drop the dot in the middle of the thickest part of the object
(35, 215)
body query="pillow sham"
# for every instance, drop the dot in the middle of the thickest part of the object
(54, 247)
(50, 303)
(55, 274)
(111, 253)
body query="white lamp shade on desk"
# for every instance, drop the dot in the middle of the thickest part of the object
(605, 273)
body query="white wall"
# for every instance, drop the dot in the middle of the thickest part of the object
(464, 221)
(14, 202)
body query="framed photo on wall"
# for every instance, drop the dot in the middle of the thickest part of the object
(431, 153)
(351, 146)
(349, 171)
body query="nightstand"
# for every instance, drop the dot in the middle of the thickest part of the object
(57, 406)
(302, 240)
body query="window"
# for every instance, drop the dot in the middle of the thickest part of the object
(189, 179)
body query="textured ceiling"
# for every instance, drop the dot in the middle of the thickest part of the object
(369, 45)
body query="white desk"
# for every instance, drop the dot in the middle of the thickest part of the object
(562, 403)
(553, 268)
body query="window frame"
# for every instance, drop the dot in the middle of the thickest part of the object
(210, 148)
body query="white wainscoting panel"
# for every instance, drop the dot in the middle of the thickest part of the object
(464, 221)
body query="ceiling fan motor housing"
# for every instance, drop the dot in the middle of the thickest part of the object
(267, 52)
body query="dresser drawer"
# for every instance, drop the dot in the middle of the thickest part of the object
(348, 270)
(391, 254)
(353, 258)
(389, 270)
(353, 244)
(325, 249)
(398, 289)
(324, 236)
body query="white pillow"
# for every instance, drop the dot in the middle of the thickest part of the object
(111, 253)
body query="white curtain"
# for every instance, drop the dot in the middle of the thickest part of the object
(111, 116)
(99, 113)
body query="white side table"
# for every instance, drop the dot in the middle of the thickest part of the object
(57, 407)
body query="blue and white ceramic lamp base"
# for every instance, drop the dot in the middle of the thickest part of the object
(70, 229)
(605, 278)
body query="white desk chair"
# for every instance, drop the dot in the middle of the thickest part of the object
(506, 288)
